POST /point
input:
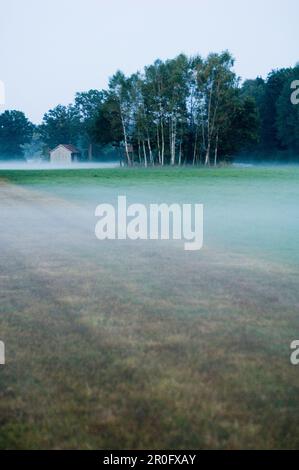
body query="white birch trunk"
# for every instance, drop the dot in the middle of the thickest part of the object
(163, 143)
(158, 145)
(180, 154)
(150, 151)
(139, 151)
(207, 159)
(216, 150)
(173, 139)
(144, 154)
(125, 139)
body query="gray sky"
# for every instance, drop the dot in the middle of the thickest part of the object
(49, 49)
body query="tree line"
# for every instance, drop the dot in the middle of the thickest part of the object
(187, 110)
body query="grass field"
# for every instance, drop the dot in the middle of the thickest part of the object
(120, 345)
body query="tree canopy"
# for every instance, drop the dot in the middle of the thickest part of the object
(181, 111)
(186, 110)
(278, 117)
(15, 132)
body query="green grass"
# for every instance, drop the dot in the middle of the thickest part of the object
(141, 175)
(143, 345)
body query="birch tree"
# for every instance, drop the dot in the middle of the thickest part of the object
(119, 86)
(215, 81)
(175, 112)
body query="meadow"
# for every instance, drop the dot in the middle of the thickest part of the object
(121, 344)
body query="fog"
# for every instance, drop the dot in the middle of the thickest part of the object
(39, 165)
(112, 333)
(255, 217)
(42, 165)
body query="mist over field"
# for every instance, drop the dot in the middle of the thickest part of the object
(41, 165)
(121, 344)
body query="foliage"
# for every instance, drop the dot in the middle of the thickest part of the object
(278, 117)
(15, 131)
(60, 125)
(177, 112)
(186, 110)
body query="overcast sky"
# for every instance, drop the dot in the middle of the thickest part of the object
(49, 49)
